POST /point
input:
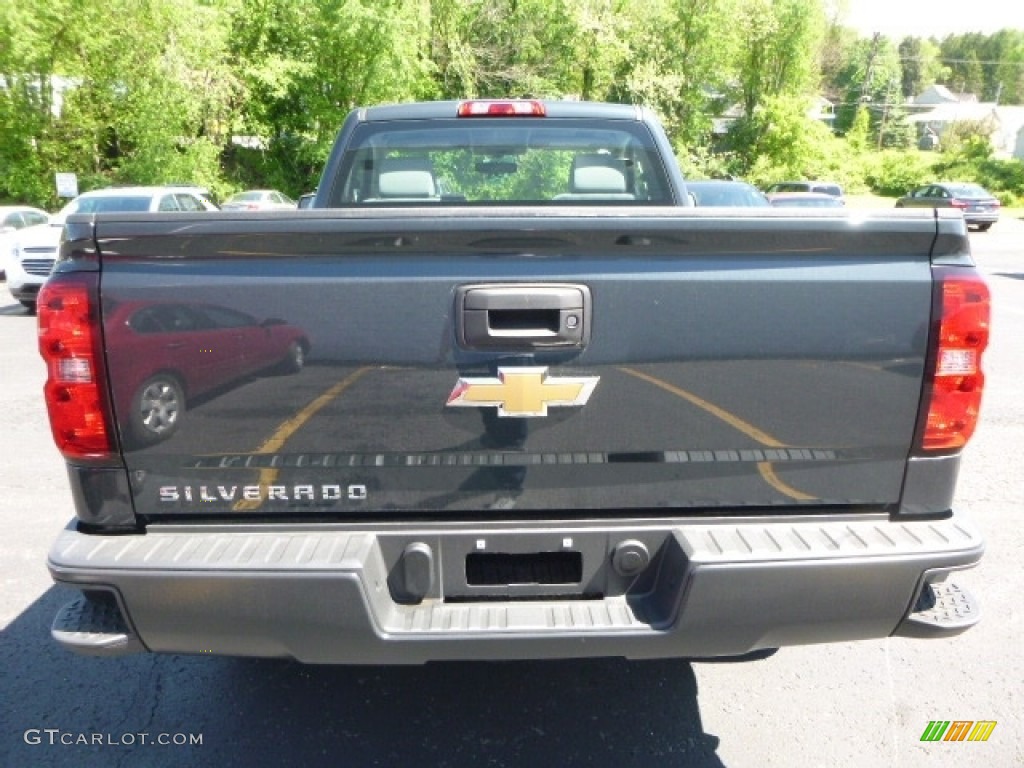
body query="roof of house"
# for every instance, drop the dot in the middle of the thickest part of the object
(940, 94)
(956, 112)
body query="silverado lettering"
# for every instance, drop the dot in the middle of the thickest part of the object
(173, 493)
(505, 391)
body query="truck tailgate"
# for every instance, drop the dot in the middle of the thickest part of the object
(324, 364)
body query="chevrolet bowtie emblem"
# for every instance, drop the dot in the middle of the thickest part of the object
(523, 392)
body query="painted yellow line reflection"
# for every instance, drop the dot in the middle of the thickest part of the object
(732, 420)
(765, 468)
(768, 474)
(281, 435)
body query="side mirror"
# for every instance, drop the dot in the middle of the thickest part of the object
(306, 200)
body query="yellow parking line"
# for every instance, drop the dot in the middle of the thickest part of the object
(276, 441)
(765, 468)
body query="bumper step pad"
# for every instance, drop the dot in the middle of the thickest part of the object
(943, 610)
(93, 625)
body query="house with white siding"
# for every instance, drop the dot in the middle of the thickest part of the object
(937, 109)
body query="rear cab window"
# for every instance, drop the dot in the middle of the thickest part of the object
(514, 161)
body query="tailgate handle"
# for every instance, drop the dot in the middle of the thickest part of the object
(523, 316)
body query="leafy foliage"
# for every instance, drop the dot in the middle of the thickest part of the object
(250, 93)
(895, 173)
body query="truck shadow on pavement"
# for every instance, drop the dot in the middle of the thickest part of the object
(65, 710)
(15, 310)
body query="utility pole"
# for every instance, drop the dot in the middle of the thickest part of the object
(885, 117)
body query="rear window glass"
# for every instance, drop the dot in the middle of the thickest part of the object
(968, 190)
(115, 204)
(501, 162)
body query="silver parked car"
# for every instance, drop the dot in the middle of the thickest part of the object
(980, 207)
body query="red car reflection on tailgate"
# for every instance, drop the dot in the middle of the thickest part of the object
(170, 352)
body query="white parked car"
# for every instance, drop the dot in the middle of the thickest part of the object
(35, 248)
(12, 219)
(258, 200)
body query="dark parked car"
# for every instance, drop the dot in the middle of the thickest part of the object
(979, 206)
(728, 193)
(805, 200)
(173, 352)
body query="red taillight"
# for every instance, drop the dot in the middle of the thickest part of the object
(959, 203)
(503, 108)
(953, 392)
(69, 341)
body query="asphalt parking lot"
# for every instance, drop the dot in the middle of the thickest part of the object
(850, 704)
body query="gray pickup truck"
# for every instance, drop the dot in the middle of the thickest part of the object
(503, 392)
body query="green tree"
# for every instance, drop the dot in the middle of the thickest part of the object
(501, 48)
(921, 66)
(895, 131)
(777, 73)
(836, 48)
(304, 64)
(680, 63)
(867, 80)
(600, 47)
(1006, 49)
(912, 63)
(778, 49)
(86, 101)
(960, 54)
(859, 134)
(780, 141)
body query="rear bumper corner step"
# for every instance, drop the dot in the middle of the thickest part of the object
(943, 610)
(93, 625)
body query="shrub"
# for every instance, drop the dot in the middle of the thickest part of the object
(897, 171)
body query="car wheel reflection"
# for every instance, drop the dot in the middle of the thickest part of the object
(159, 405)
